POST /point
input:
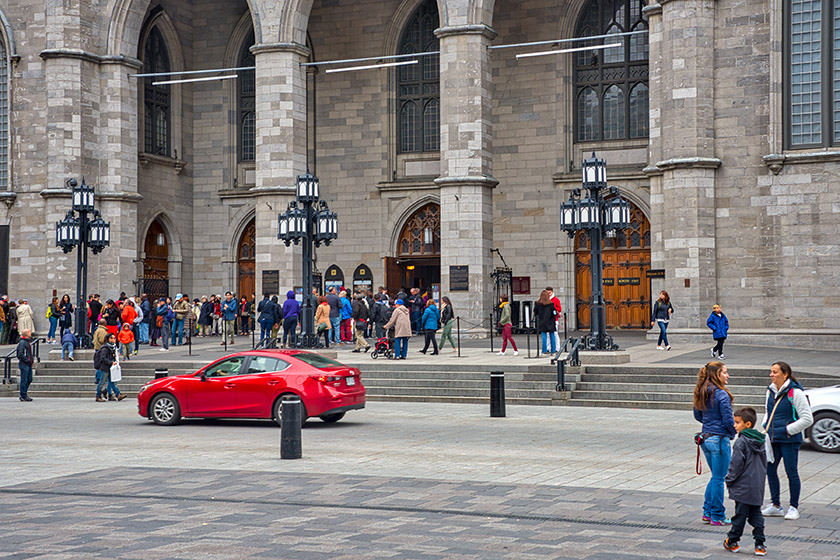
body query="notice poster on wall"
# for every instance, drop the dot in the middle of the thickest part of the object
(459, 278)
(271, 282)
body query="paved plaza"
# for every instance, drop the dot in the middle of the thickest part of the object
(95, 480)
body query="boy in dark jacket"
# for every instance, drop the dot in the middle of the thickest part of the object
(745, 479)
(719, 325)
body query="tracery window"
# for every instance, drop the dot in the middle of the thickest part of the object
(611, 93)
(247, 103)
(812, 73)
(4, 116)
(157, 98)
(418, 85)
(420, 236)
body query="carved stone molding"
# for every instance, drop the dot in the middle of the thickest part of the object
(146, 158)
(775, 162)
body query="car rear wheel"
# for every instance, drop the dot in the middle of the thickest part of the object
(330, 418)
(825, 432)
(278, 410)
(165, 410)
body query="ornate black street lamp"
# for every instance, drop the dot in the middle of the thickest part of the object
(303, 223)
(598, 218)
(73, 231)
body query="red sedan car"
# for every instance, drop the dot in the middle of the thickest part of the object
(252, 384)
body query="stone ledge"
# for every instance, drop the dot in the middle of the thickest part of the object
(815, 339)
(418, 184)
(689, 163)
(589, 358)
(145, 158)
(479, 180)
(479, 29)
(775, 162)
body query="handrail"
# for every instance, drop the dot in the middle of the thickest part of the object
(266, 343)
(573, 359)
(7, 360)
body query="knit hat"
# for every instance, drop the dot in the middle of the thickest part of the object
(400, 302)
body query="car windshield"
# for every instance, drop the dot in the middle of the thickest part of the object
(318, 361)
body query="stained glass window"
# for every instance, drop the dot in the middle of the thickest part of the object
(247, 102)
(418, 85)
(156, 98)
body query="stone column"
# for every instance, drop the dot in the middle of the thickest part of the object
(466, 182)
(281, 153)
(682, 142)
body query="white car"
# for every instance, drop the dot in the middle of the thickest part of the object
(824, 434)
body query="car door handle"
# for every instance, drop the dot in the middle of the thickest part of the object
(230, 385)
(273, 382)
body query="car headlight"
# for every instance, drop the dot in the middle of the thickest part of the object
(144, 387)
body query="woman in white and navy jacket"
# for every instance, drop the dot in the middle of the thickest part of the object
(791, 417)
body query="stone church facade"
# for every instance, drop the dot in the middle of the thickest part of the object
(721, 125)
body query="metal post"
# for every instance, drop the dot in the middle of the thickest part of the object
(189, 344)
(565, 328)
(528, 339)
(561, 375)
(224, 330)
(458, 325)
(597, 314)
(308, 336)
(81, 275)
(290, 424)
(491, 331)
(497, 394)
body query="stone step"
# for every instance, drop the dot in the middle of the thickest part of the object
(129, 395)
(650, 395)
(629, 388)
(456, 383)
(455, 376)
(761, 381)
(458, 400)
(659, 405)
(456, 392)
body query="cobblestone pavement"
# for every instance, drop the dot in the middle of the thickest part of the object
(94, 480)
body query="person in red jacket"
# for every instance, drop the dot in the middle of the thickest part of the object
(558, 317)
(126, 339)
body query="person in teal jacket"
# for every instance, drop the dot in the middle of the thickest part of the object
(719, 324)
(430, 322)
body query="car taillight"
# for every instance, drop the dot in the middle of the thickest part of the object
(329, 378)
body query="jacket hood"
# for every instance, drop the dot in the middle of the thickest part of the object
(753, 434)
(754, 445)
(401, 309)
(290, 294)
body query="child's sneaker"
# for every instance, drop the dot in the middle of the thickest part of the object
(720, 523)
(706, 519)
(731, 547)
(760, 550)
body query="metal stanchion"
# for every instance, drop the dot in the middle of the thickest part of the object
(491, 332)
(528, 340)
(458, 325)
(224, 331)
(290, 425)
(497, 394)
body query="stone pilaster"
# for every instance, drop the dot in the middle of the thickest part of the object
(682, 145)
(281, 152)
(466, 180)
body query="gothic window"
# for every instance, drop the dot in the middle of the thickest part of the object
(812, 80)
(420, 236)
(247, 103)
(4, 116)
(611, 84)
(418, 85)
(157, 98)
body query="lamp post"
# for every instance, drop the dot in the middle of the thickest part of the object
(79, 230)
(307, 220)
(599, 218)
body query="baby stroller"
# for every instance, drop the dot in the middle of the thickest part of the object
(382, 347)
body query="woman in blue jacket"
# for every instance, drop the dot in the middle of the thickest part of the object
(719, 324)
(713, 408)
(429, 323)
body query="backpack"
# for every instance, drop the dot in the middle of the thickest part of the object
(170, 313)
(139, 311)
(49, 311)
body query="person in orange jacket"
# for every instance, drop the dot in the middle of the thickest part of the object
(126, 339)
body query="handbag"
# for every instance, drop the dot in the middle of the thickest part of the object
(116, 371)
(768, 445)
(159, 321)
(699, 438)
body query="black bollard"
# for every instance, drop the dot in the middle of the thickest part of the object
(290, 428)
(161, 372)
(497, 394)
(458, 323)
(492, 328)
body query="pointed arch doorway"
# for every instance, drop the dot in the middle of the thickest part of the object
(246, 261)
(156, 262)
(626, 285)
(417, 264)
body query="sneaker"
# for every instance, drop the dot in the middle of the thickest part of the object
(706, 519)
(516, 352)
(71, 358)
(164, 350)
(760, 550)
(712, 352)
(659, 348)
(772, 511)
(100, 399)
(135, 352)
(668, 347)
(120, 397)
(792, 513)
(721, 522)
(722, 357)
(731, 547)
(500, 353)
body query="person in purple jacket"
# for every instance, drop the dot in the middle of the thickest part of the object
(291, 312)
(713, 408)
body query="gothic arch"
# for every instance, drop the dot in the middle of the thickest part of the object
(401, 214)
(164, 24)
(294, 20)
(9, 55)
(238, 222)
(241, 32)
(159, 213)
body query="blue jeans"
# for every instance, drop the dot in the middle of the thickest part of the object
(177, 332)
(718, 454)
(400, 346)
(66, 347)
(335, 334)
(415, 321)
(789, 452)
(289, 327)
(265, 329)
(53, 325)
(545, 337)
(663, 336)
(25, 379)
(102, 380)
(143, 331)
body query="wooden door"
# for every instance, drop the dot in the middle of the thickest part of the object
(393, 276)
(246, 261)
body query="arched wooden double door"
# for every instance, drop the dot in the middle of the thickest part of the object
(155, 281)
(246, 261)
(418, 248)
(626, 286)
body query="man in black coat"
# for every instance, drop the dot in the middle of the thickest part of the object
(25, 359)
(267, 310)
(360, 318)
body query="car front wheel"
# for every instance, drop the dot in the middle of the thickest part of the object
(278, 410)
(165, 410)
(825, 432)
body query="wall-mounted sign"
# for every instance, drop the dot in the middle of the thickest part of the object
(271, 282)
(459, 278)
(629, 281)
(362, 279)
(334, 277)
(656, 273)
(609, 281)
(521, 285)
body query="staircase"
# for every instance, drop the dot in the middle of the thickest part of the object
(386, 380)
(672, 387)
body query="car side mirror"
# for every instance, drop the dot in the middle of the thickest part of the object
(203, 376)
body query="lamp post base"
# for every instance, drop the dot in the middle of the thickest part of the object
(308, 341)
(598, 342)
